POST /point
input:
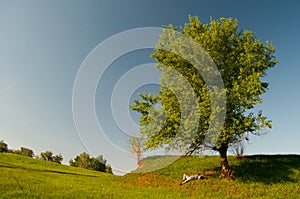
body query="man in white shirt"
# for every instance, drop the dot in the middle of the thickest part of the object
(187, 178)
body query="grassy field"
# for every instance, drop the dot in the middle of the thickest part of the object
(276, 176)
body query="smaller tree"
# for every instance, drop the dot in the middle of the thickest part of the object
(96, 165)
(238, 149)
(73, 163)
(136, 149)
(3, 147)
(108, 169)
(57, 159)
(26, 152)
(47, 156)
(81, 161)
(85, 161)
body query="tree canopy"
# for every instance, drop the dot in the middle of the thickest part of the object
(3, 146)
(26, 152)
(85, 161)
(187, 94)
(48, 156)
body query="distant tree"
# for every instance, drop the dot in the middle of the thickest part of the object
(85, 161)
(57, 158)
(3, 147)
(96, 165)
(108, 169)
(73, 163)
(47, 156)
(81, 161)
(136, 149)
(238, 149)
(26, 152)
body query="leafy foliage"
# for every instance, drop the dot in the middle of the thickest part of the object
(108, 169)
(48, 156)
(241, 59)
(3, 146)
(22, 151)
(57, 158)
(85, 161)
(26, 152)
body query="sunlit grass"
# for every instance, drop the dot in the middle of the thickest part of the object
(257, 177)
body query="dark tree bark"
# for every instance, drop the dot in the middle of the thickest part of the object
(225, 170)
(224, 162)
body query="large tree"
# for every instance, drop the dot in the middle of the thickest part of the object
(241, 61)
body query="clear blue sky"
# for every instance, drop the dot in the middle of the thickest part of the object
(43, 43)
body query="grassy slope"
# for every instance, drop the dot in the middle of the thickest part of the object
(23, 177)
(257, 177)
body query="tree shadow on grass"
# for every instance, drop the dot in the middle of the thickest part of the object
(268, 169)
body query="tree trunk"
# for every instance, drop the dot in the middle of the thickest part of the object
(226, 172)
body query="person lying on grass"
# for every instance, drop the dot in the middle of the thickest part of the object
(187, 178)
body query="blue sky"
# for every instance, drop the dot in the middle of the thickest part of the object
(43, 44)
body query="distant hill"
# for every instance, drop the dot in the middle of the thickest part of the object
(261, 176)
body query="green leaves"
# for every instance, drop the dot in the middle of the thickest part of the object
(3, 146)
(242, 61)
(85, 161)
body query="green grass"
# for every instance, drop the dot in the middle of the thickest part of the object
(276, 176)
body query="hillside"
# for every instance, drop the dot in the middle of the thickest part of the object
(276, 176)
